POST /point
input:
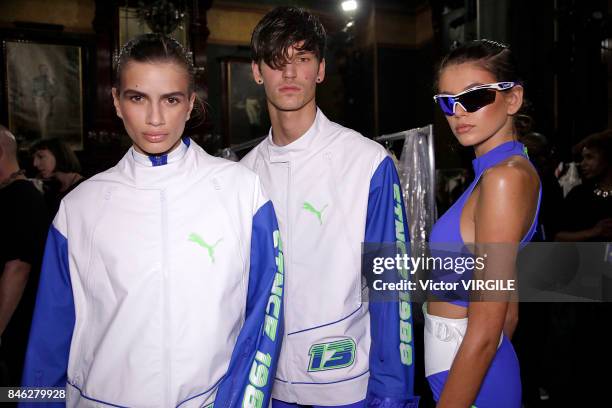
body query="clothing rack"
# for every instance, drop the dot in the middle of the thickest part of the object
(430, 153)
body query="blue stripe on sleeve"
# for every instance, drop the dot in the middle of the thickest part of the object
(391, 380)
(46, 360)
(248, 381)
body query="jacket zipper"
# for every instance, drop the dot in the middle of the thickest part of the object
(287, 262)
(165, 302)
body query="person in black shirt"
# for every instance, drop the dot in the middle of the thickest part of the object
(23, 223)
(588, 206)
(586, 217)
(59, 169)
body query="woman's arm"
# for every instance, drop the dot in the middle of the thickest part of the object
(512, 317)
(504, 211)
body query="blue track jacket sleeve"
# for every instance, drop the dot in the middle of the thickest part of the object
(391, 382)
(46, 360)
(248, 381)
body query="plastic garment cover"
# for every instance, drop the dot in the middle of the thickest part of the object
(570, 179)
(415, 168)
(229, 154)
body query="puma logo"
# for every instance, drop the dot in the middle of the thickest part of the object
(193, 237)
(319, 214)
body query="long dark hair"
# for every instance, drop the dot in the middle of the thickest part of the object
(496, 58)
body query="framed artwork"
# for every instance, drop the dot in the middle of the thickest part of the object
(43, 91)
(245, 115)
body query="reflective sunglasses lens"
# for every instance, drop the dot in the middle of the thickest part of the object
(476, 99)
(446, 104)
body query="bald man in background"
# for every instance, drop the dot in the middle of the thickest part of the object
(22, 236)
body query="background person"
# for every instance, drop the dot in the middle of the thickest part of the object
(586, 217)
(587, 209)
(22, 236)
(58, 167)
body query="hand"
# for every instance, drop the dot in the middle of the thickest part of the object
(603, 228)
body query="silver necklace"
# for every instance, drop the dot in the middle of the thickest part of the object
(600, 192)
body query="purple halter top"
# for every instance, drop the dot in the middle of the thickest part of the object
(445, 238)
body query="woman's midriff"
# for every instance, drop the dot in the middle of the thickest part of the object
(447, 310)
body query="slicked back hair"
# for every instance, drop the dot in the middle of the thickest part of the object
(153, 48)
(490, 55)
(159, 48)
(496, 58)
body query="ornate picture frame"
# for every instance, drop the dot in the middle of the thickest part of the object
(245, 114)
(44, 92)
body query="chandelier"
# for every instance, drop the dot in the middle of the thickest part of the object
(162, 16)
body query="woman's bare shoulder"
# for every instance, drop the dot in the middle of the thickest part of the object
(515, 174)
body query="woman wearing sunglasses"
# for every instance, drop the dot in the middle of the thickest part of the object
(469, 360)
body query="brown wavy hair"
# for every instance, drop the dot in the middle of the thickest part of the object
(282, 28)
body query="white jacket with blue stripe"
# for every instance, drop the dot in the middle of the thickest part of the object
(332, 190)
(161, 286)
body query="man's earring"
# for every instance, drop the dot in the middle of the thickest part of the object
(319, 79)
(260, 81)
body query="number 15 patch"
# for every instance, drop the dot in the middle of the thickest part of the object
(333, 355)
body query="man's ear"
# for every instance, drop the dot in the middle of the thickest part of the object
(115, 93)
(514, 99)
(256, 72)
(321, 71)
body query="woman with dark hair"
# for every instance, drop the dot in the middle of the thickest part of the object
(587, 217)
(59, 169)
(469, 359)
(162, 283)
(588, 206)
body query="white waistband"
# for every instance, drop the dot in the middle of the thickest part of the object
(443, 336)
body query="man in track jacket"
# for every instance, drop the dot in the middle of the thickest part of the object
(332, 190)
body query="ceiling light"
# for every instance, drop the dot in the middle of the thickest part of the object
(349, 5)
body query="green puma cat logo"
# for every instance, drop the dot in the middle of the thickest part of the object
(193, 237)
(309, 207)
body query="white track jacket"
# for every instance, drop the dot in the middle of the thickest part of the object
(332, 190)
(162, 286)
